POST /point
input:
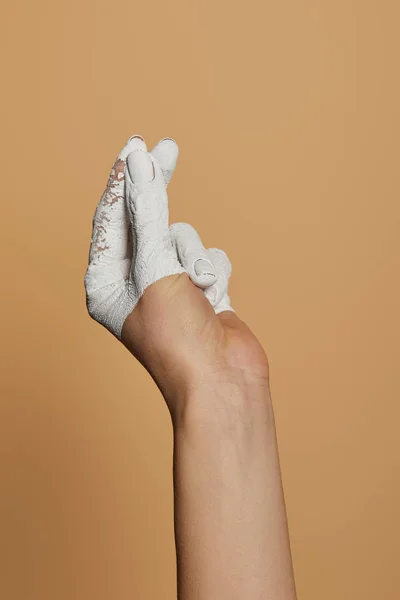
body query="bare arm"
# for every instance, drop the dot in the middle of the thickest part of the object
(159, 291)
(230, 522)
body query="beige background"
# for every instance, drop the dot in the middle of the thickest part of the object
(287, 117)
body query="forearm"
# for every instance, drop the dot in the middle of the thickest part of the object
(230, 521)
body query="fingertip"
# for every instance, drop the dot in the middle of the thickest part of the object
(221, 260)
(136, 136)
(170, 143)
(135, 142)
(166, 153)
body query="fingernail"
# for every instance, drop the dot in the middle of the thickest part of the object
(205, 270)
(168, 139)
(136, 142)
(169, 146)
(166, 153)
(140, 167)
(136, 136)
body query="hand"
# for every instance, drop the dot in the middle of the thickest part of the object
(157, 289)
(132, 246)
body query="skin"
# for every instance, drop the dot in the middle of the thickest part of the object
(176, 335)
(230, 521)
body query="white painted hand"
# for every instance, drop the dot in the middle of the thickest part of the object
(132, 244)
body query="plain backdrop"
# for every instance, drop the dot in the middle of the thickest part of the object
(287, 117)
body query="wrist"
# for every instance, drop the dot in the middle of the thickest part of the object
(236, 395)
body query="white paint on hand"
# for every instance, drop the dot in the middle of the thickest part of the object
(132, 244)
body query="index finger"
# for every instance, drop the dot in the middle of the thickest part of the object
(109, 243)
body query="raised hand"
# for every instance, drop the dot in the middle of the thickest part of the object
(165, 296)
(133, 247)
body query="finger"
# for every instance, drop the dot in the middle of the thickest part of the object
(166, 153)
(146, 197)
(135, 142)
(217, 294)
(109, 243)
(141, 168)
(192, 254)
